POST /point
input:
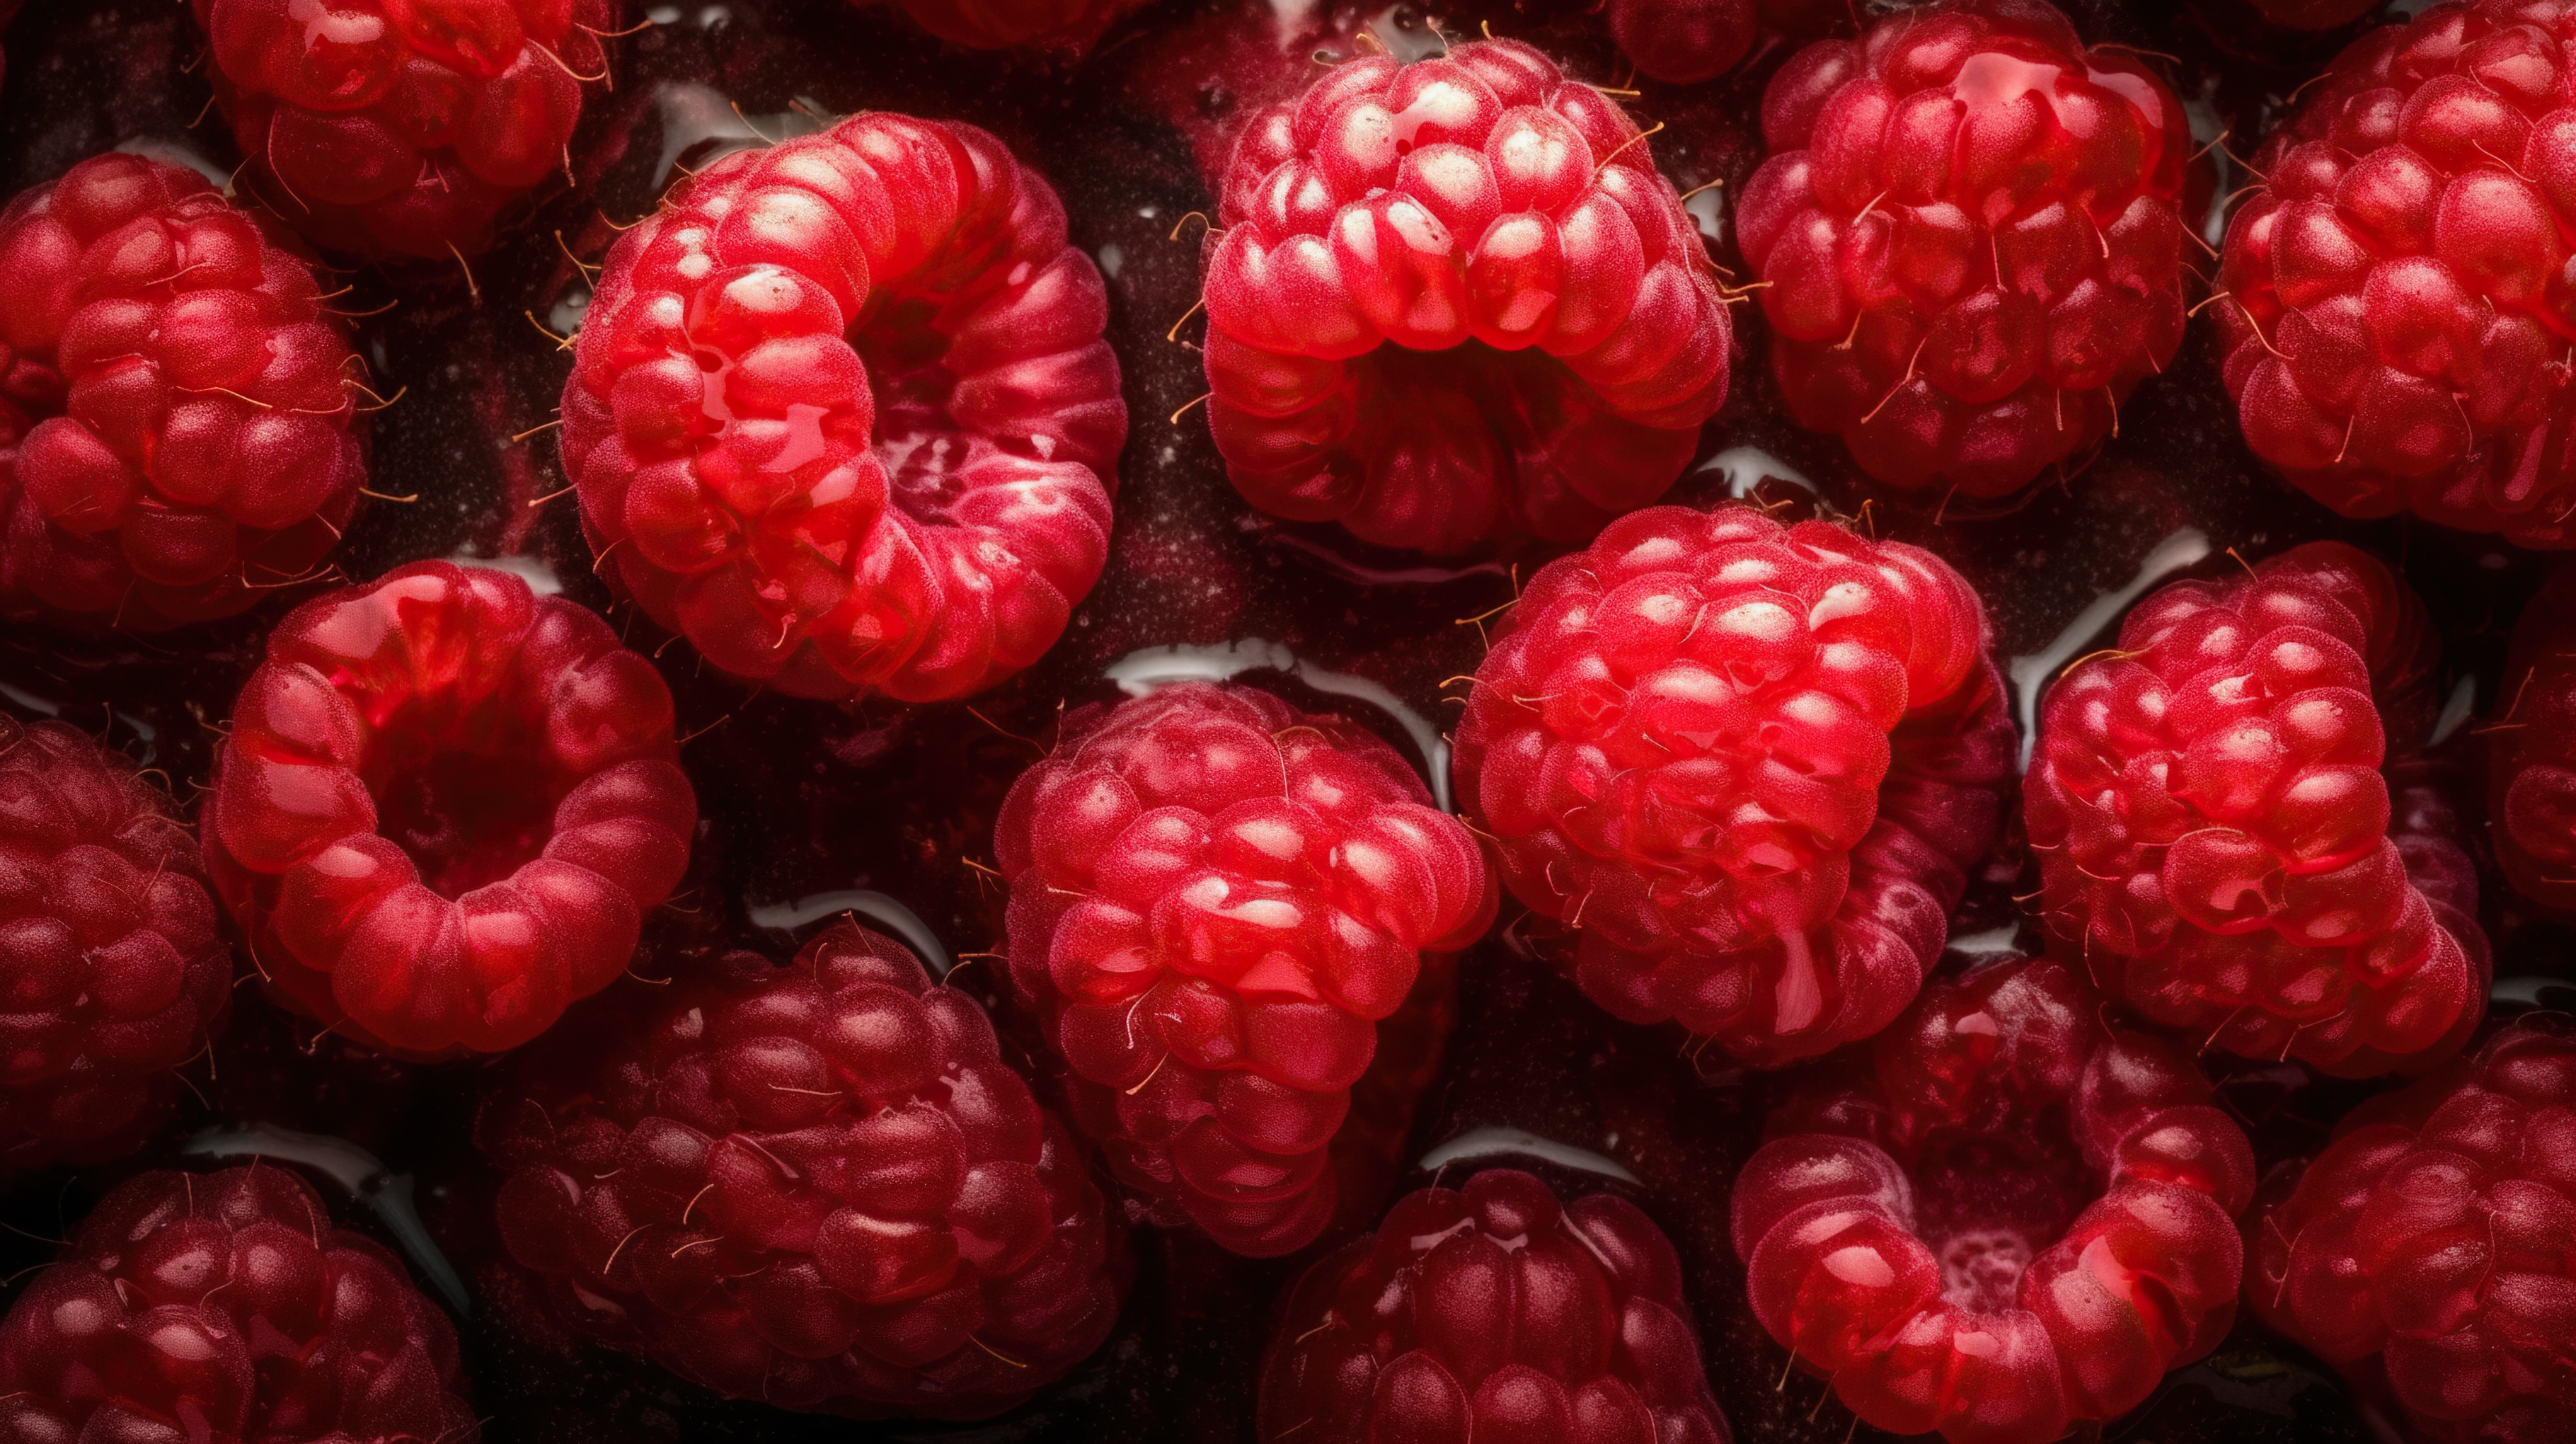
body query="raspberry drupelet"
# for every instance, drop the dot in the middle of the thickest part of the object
(841, 413)
(1749, 765)
(2218, 833)
(1970, 236)
(1454, 301)
(1492, 1311)
(111, 975)
(2531, 752)
(222, 1307)
(2397, 325)
(2425, 1252)
(443, 808)
(1215, 901)
(2018, 1220)
(817, 1185)
(403, 127)
(178, 429)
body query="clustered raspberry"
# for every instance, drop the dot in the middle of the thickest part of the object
(841, 413)
(818, 1185)
(179, 431)
(2531, 751)
(1215, 901)
(1748, 764)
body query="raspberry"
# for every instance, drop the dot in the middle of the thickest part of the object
(841, 412)
(403, 127)
(1454, 300)
(444, 807)
(2215, 833)
(111, 976)
(1683, 42)
(1967, 173)
(1215, 901)
(2531, 756)
(818, 1185)
(1003, 24)
(176, 429)
(1493, 1310)
(2397, 268)
(225, 1307)
(2426, 1250)
(1749, 764)
(2017, 1219)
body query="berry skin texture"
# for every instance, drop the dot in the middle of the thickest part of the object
(1750, 765)
(817, 1185)
(2531, 757)
(2016, 1220)
(2425, 1252)
(841, 413)
(443, 809)
(2217, 836)
(111, 975)
(2399, 292)
(177, 430)
(1492, 1311)
(1970, 232)
(1454, 301)
(403, 127)
(225, 1307)
(1215, 901)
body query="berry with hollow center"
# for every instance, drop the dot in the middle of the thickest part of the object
(1454, 301)
(1750, 765)
(2016, 1221)
(1215, 900)
(111, 976)
(817, 1185)
(1492, 1311)
(1683, 42)
(2426, 1250)
(1003, 24)
(1970, 237)
(225, 1307)
(444, 806)
(403, 127)
(2216, 835)
(842, 415)
(2531, 755)
(178, 431)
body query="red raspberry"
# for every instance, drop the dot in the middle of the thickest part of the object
(2398, 269)
(224, 1307)
(842, 414)
(1003, 24)
(2017, 1221)
(1967, 173)
(2531, 755)
(176, 427)
(1751, 764)
(1215, 900)
(1493, 1310)
(111, 976)
(403, 127)
(2426, 1250)
(2216, 835)
(443, 808)
(1683, 42)
(1454, 300)
(817, 1185)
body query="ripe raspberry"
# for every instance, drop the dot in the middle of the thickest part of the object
(818, 1185)
(2018, 1220)
(1493, 1310)
(1215, 900)
(1003, 24)
(2531, 757)
(842, 414)
(1454, 300)
(176, 427)
(444, 807)
(1683, 42)
(2427, 1249)
(111, 976)
(2397, 328)
(1969, 174)
(403, 127)
(1750, 764)
(222, 1307)
(2215, 833)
